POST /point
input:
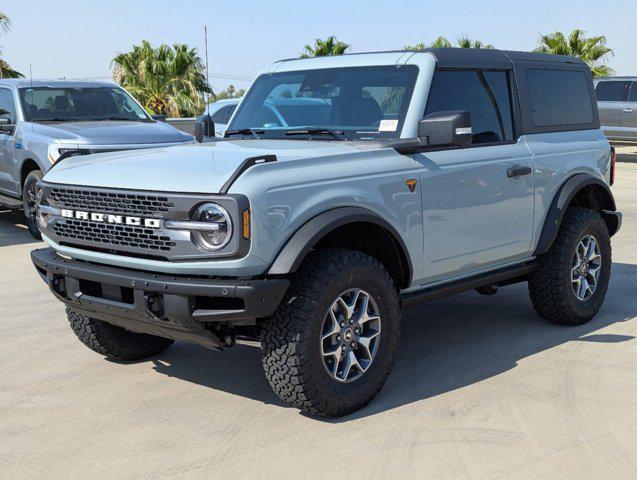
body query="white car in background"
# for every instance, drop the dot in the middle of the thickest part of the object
(220, 111)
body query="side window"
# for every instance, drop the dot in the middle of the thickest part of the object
(633, 93)
(230, 112)
(7, 105)
(611, 91)
(221, 115)
(484, 94)
(559, 97)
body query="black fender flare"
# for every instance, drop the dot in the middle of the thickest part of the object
(563, 198)
(290, 257)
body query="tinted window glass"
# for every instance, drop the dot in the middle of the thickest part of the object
(484, 94)
(221, 115)
(7, 105)
(610, 91)
(633, 93)
(559, 97)
(45, 104)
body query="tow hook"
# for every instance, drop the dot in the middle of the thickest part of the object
(155, 305)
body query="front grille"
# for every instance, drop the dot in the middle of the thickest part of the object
(116, 203)
(117, 236)
(107, 234)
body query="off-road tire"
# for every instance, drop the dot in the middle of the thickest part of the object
(29, 217)
(290, 339)
(114, 342)
(550, 285)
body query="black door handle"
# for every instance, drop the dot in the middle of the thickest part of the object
(518, 171)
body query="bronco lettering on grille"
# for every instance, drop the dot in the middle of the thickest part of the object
(115, 219)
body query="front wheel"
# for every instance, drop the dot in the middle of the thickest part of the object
(29, 191)
(331, 344)
(572, 278)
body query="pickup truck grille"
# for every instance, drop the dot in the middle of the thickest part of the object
(111, 202)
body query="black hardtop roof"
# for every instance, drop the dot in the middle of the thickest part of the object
(466, 57)
(478, 57)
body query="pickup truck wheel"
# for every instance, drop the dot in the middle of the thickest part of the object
(331, 344)
(113, 341)
(572, 278)
(28, 202)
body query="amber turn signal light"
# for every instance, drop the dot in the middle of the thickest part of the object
(246, 224)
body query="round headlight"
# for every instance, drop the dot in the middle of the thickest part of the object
(219, 230)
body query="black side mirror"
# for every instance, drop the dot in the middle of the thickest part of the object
(6, 125)
(204, 127)
(159, 118)
(446, 128)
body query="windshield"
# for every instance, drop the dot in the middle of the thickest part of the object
(68, 104)
(339, 103)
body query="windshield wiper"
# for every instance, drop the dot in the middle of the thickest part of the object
(255, 132)
(338, 134)
(59, 120)
(123, 119)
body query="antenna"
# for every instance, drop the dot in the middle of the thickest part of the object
(208, 132)
(32, 104)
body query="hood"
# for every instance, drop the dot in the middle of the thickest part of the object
(112, 132)
(196, 168)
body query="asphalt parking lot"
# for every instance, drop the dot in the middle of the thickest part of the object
(482, 389)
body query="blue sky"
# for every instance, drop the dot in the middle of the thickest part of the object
(77, 39)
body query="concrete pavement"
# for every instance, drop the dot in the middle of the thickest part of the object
(482, 389)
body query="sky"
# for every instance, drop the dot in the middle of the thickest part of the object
(78, 39)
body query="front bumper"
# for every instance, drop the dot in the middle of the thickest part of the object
(178, 307)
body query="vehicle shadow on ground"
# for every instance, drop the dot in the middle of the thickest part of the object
(12, 229)
(445, 345)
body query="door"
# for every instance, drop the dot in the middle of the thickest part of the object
(629, 114)
(7, 143)
(477, 200)
(610, 98)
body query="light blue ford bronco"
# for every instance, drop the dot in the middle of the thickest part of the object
(344, 189)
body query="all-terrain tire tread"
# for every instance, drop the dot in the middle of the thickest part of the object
(550, 294)
(113, 341)
(285, 360)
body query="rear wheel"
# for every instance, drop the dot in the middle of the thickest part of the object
(331, 344)
(28, 202)
(572, 278)
(113, 341)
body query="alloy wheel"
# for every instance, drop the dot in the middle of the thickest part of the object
(586, 267)
(350, 335)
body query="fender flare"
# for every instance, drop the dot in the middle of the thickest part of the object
(290, 257)
(561, 201)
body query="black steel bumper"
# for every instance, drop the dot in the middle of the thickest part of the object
(177, 307)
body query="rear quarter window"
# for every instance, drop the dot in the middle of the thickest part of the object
(559, 97)
(611, 91)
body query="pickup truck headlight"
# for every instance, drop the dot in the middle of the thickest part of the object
(215, 227)
(58, 151)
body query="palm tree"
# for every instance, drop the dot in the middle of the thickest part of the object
(5, 69)
(592, 50)
(466, 42)
(166, 80)
(323, 48)
(5, 22)
(443, 42)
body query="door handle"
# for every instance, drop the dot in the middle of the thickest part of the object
(627, 110)
(518, 171)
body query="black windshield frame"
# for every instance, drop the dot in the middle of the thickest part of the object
(360, 78)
